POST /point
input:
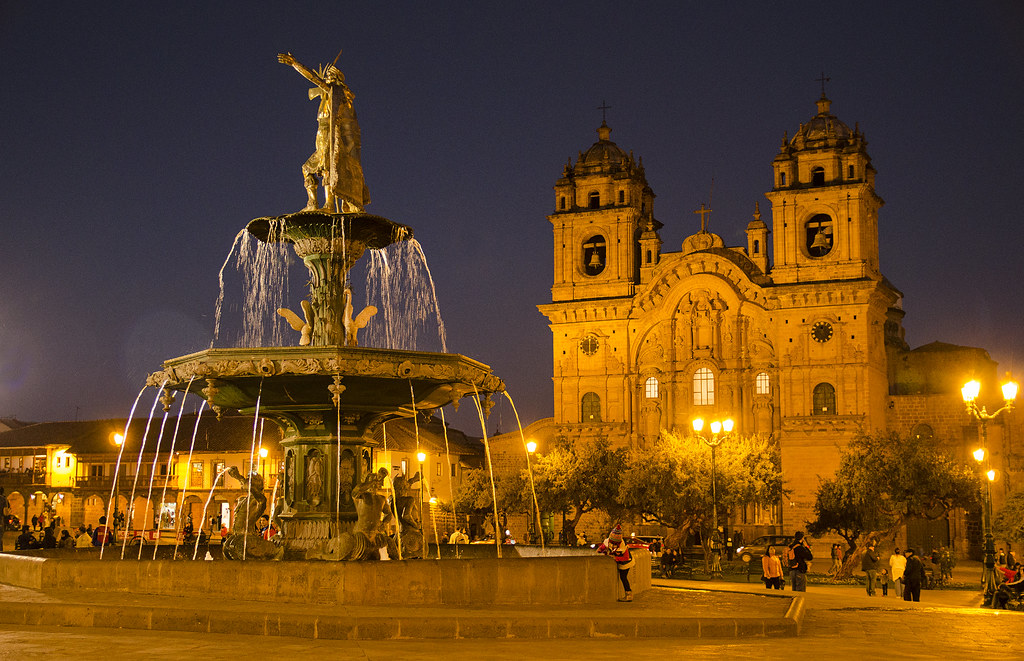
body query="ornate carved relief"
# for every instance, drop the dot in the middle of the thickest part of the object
(314, 490)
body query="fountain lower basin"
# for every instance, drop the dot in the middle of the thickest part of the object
(578, 579)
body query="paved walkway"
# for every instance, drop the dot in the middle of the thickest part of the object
(839, 623)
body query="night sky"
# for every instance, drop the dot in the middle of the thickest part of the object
(136, 142)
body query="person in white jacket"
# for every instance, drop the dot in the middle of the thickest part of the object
(897, 565)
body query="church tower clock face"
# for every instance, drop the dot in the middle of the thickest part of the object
(589, 345)
(821, 331)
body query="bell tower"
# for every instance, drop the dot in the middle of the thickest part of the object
(824, 205)
(605, 234)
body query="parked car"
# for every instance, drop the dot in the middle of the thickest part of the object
(635, 542)
(747, 552)
(653, 543)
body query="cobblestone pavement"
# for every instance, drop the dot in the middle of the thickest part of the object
(840, 623)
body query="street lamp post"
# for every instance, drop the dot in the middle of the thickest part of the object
(118, 439)
(531, 447)
(423, 531)
(970, 395)
(717, 427)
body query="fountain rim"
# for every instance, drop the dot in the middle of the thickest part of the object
(376, 232)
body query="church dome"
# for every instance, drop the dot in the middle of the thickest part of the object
(603, 150)
(824, 130)
(604, 156)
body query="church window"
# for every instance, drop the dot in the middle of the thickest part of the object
(762, 384)
(818, 176)
(561, 203)
(703, 387)
(819, 236)
(757, 246)
(594, 253)
(622, 197)
(591, 407)
(651, 388)
(824, 399)
(650, 256)
(782, 178)
(923, 432)
(850, 171)
(595, 200)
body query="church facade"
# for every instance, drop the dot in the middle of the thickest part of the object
(797, 334)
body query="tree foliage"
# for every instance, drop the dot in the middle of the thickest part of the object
(885, 479)
(578, 477)
(670, 483)
(1009, 523)
(474, 492)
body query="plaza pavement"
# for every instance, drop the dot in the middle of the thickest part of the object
(837, 622)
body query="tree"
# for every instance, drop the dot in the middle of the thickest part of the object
(671, 482)
(474, 494)
(1009, 523)
(576, 478)
(882, 481)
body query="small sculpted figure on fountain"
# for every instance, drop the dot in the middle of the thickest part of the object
(244, 542)
(408, 506)
(368, 534)
(336, 160)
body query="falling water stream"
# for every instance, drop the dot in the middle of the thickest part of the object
(206, 505)
(490, 467)
(529, 470)
(256, 422)
(124, 437)
(170, 467)
(138, 464)
(184, 491)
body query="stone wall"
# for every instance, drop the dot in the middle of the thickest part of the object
(582, 579)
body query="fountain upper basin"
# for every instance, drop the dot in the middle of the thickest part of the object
(372, 380)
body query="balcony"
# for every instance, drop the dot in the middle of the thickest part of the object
(20, 478)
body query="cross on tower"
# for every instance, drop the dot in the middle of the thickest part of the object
(823, 80)
(703, 211)
(604, 107)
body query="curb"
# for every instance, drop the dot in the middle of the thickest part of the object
(399, 626)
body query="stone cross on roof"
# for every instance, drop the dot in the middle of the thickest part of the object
(703, 211)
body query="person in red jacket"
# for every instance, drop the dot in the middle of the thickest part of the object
(103, 535)
(615, 547)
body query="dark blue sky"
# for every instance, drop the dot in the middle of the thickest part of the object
(136, 141)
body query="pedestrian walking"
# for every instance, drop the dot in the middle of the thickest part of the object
(837, 561)
(3, 517)
(798, 555)
(914, 577)
(897, 564)
(869, 565)
(616, 548)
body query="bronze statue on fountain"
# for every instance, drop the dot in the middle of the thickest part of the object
(329, 395)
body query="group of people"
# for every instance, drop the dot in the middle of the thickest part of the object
(905, 569)
(85, 536)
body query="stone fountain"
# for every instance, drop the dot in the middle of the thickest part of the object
(328, 395)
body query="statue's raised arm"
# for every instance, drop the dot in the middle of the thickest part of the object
(307, 73)
(336, 162)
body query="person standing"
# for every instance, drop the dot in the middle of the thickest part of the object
(771, 568)
(869, 565)
(615, 547)
(913, 577)
(103, 535)
(3, 517)
(897, 564)
(798, 555)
